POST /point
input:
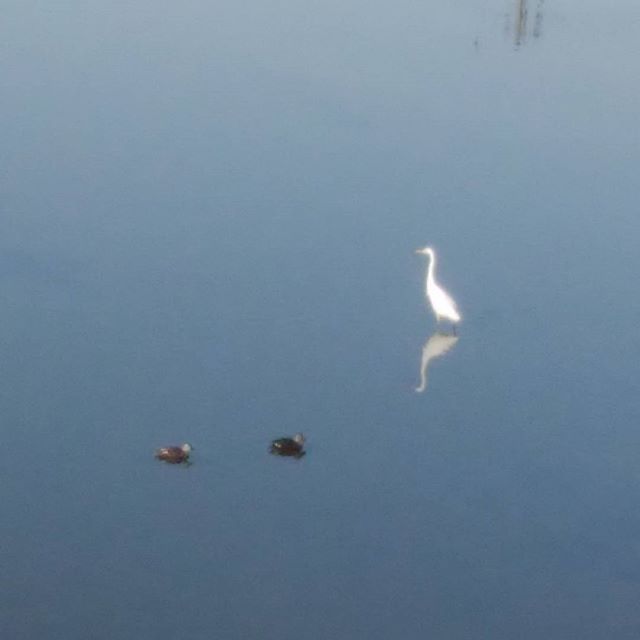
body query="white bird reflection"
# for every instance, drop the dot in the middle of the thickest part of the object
(436, 345)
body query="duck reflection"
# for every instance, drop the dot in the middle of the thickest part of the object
(436, 345)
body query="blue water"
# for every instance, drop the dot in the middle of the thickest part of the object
(209, 212)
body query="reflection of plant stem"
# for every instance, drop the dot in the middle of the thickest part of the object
(521, 22)
(537, 25)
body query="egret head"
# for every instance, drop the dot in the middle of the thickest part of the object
(299, 438)
(425, 251)
(187, 448)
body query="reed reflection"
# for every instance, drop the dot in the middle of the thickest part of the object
(522, 25)
(436, 345)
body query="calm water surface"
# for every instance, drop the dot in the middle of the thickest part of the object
(209, 212)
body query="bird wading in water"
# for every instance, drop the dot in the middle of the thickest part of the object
(443, 305)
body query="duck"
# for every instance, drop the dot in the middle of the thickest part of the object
(174, 454)
(289, 446)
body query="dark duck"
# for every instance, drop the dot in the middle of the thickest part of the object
(289, 446)
(175, 455)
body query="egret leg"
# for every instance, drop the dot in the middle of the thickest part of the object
(454, 329)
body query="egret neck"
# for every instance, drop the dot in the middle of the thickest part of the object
(431, 268)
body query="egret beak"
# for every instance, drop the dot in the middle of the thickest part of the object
(418, 251)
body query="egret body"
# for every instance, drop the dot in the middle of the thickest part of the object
(443, 305)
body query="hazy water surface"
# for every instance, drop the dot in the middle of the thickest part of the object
(209, 212)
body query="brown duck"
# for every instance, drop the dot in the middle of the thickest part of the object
(289, 446)
(175, 455)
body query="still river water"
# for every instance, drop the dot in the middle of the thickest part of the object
(209, 212)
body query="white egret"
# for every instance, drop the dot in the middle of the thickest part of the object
(441, 302)
(437, 345)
